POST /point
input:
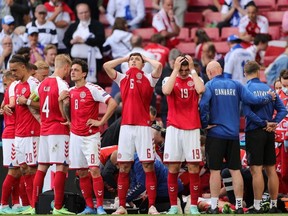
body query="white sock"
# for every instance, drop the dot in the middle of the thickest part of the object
(273, 203)
(214, 202)
(257, 204)
(239, 203)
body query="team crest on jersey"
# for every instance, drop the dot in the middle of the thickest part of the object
(139, 76)
(82, 94)
(190, 83)
(23, 91)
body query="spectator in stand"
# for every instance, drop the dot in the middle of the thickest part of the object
(272, 72)
(118, 44)
(166, 23)
(252, 23)
(216, 7)
(50, 52)
(157, 47)
(259, 46)
(6, 53)
(42, 70)
(209, 54)
(132, 10)
(47, 29)
(167, 70)
(96, 6)
(8, 26)
(232, 11)
(285, 26)
(36, 49)
(18, 9)
(277, 85)
(84, 39)
(235, 59)
(137, 47)
(200, 38)
(61, 15)
(260, 139)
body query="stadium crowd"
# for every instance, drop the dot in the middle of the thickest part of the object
(161, 105)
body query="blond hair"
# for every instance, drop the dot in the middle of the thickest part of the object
(61, 60)
(41, 65)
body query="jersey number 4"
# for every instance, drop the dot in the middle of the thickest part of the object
(45, 108)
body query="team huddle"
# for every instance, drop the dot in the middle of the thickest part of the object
(49, 123)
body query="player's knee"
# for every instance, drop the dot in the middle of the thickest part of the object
(82, 173)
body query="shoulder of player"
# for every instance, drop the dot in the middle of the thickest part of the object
(32, 80)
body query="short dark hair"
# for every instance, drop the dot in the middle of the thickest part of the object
(83, 64)
(284, 74)
(185, 62)
(251, 3)
(23, 59)
(263, 38)
(251, 67)
(136, 54)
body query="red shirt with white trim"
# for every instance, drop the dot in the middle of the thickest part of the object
(252, 28)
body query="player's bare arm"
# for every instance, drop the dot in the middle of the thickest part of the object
(169, 85)
(110, 65)
(64, 105)
(22, 100)
(156, 65)
(199, 84)
(111, 106)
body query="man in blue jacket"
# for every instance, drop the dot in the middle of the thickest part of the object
(219, 110)
(260, 138)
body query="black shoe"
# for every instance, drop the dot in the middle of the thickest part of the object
(212, 211)
(239, 211)
(255, 211)
(274, 210)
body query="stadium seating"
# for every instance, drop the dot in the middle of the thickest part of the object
(282, 5)
(272, 52)
(262, 76)
(265, 5)
(221, 47)
(213, 33)
(184, 35)
(227, 31)
(199, 5)
(274, 17)
(212, 17)
(193, 19)
(187, 48)
(274, 31)
(145, 33)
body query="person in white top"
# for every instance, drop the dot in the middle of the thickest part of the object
(47, 29)
(8, 26)
(252, 23)
(167, 24)
(132, 10)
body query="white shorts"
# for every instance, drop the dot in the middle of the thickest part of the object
(9, 153)
(84, 151)
(27, 150)
(181, 145)
(137, 138)
(54, 149)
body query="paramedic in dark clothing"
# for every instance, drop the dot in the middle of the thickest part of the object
(219, 110)
(260, 144)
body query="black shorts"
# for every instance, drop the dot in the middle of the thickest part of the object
(260, 147)
(217, 150)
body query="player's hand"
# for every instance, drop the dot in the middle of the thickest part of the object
(178, 62)
(271, 126)
(94, 123)
(67, 123)
(63, 95)
(21, 100)
(190, 61)
(210, 126)
(272, 93)
(7, 110)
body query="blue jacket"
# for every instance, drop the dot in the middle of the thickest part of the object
(219, 106)
(257, 115)
(137, 180)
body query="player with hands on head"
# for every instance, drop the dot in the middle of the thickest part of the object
(183, 89)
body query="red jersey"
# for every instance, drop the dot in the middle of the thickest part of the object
(26, 124)
(159, 51)
(183, 110)
(9, 120)
(106, 152)
(136, 89)
(283, 125)
(84, 105)
(253, 28)
(51, 117)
